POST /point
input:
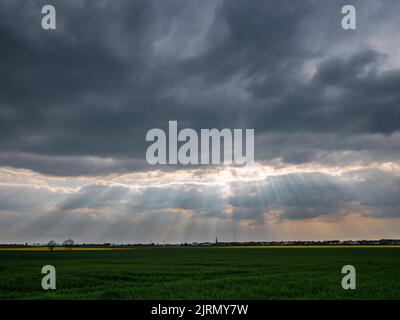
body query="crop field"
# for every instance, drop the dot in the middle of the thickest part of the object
(202, 273)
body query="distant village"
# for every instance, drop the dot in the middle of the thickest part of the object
(72, 243)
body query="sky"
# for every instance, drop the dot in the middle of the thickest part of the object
(76, 104)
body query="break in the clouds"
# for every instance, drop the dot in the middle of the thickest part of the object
(76, 103)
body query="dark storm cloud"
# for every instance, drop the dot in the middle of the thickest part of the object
(305, 196)
(114, 69)
(71, 166)
(295, 196)
(202, 200)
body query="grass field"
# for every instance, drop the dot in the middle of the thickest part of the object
(202, 273)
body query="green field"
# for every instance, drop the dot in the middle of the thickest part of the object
(203, 273)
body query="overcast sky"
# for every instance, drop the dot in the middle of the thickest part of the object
(76, 104)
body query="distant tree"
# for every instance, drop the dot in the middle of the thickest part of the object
(68, 243)
(52, 244)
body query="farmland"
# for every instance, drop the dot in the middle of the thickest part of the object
(203, 273)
